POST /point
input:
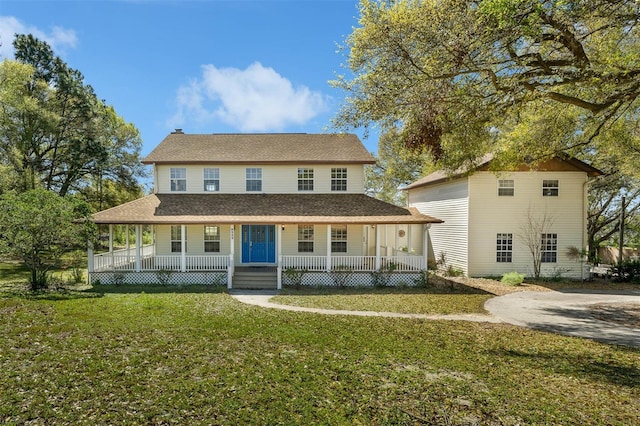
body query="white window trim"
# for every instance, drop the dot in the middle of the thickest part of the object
(177, 179)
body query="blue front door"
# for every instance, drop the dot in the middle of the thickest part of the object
(258, 244)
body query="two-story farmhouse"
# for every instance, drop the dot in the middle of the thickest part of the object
(492, 220)
(242, 209)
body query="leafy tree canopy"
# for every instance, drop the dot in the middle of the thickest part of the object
(523, 79)
(54, 131)
(39, 226)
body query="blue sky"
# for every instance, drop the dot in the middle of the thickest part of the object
(205, 66)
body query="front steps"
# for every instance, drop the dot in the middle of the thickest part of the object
(255, 279)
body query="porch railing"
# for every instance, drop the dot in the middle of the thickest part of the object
(162, 262)
(403, 263)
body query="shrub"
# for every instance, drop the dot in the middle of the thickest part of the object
(382, 276)
(341, 275)
(294, 277)
(512, 278)
(163, 276)
(422, 281)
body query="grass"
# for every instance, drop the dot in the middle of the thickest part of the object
(194, 355)
(402, 300)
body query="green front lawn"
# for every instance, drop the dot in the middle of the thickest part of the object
(190, 355)
(402, 300)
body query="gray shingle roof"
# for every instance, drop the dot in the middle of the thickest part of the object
(260, 148)
(259, 208)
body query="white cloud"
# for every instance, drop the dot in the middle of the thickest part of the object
(256, 99)
(58, 38)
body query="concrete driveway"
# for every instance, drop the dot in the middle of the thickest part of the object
(601, 316)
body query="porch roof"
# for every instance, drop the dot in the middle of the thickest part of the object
(260, 208)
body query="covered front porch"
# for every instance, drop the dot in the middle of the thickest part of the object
(325, 239)
(139, 263)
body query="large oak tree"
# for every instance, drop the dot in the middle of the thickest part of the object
(524, 79)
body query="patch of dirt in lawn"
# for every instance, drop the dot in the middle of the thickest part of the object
(625, 314)
(485, 285)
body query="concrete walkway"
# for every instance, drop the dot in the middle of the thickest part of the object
(261, 298)
(569, 313)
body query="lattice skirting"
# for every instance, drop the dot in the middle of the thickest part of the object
(174, 278)
(353, 279)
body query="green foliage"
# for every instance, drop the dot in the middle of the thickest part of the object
(163, 276)
(521, 79)
(512, 278)
(627, 271)
(54, 131)
(422, 281)
(38, 227)
(341, 275)
(294, 276)
(382, 276)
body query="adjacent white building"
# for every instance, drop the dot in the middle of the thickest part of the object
(488, 217)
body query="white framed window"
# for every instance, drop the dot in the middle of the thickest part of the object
(305, 238)
(178, 179)
(506, 187)
(550, 187)
(305, 179)
(211, 179)
(176, 239)
(504, 248)
(254, 179)
(549, 248)
(339, 179)
(211, 239)
(338, 238)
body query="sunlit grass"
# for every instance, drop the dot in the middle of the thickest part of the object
(190, 355)
(410, 301)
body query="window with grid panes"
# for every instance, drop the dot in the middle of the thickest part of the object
(305, 179)
(212, 239)
(305, 238)
(211, 179)
(254, 179)
(550, 188)
(504, 248)
(176, 239)
(506, 187)
(339, 179)
(339, 238)
(549, 248)
(178, 177)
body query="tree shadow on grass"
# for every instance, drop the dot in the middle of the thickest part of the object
(579, 365)
(155, 289)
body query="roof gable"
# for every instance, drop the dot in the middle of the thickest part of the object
(262, 148)
(558, 164)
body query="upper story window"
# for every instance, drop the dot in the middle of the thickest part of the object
(305, 179)
(550, 188)
(339, 238)
(211, 179)
(506, 187)
(176, 239)
(178, 179)
(254, 179)
(549, 248)
(339, 179)
(504, 248)
(211, 239)
(305, 238)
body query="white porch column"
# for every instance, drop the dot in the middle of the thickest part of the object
(90, 259)
(279, 254)
(425, 245)
(378, 254)
(138, 246)
(111, 247)
(328, 265)
(127, 243)
(183, 248)
(409, 226)
(232, 251)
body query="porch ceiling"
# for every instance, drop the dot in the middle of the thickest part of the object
(259, 208)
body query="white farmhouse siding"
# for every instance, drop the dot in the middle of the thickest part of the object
(448, 201)
(195, 239)
(281, 179)
(493, 214)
